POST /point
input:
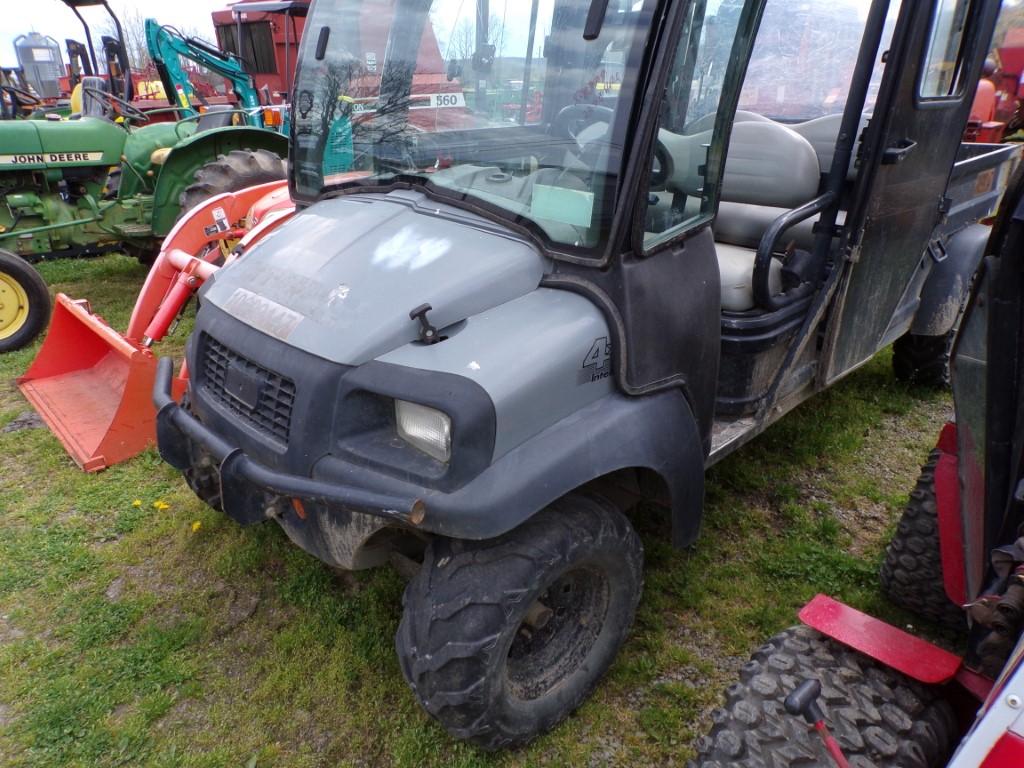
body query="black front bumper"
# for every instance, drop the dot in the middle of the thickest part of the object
(250, 491)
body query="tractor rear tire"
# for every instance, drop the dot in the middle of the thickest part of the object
(879, 717)
(25, 303)
(238, 169)
(923, 360)
(911, 573)
(502, 639)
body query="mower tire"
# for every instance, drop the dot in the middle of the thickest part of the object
(923, 360)
(911, 573)
(502, 639)
(879, 717)
(25, 303)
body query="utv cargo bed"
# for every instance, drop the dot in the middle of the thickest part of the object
(977, 183)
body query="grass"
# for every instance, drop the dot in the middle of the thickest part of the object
(139, 628)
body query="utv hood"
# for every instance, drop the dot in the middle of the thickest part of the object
(339, 279)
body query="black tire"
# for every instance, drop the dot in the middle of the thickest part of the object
(236, 170)
(18, 277)
(879, 717)
(923, 360)
(463, 643)
(911, 573)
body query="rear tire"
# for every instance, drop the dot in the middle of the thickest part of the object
(911, 573)
(923, 360)
(879, 717)
(25, 303)
(238, 169)
(466, 648)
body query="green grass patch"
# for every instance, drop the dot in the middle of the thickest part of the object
(132, 635)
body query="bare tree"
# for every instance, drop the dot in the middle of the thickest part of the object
(496, 34)
(134, 25)
(462, 46)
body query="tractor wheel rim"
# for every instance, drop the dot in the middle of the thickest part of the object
(13, 306)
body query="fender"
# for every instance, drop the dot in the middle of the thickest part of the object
(948, 282)
(190, 155)
(658, 432)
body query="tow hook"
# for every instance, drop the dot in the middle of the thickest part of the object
(804, 702)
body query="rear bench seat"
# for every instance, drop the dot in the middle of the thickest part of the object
(769, 169)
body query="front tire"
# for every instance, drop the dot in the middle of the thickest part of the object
(25, 303)
(500, 640)
(880, 718)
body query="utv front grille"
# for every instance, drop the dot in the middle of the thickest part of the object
(260, 396)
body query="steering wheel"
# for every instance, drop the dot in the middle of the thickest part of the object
(23, 97)
(662, 167)
(571, 120)
(120, 106)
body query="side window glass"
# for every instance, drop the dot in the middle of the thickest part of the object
(677, 197)
(942, 73)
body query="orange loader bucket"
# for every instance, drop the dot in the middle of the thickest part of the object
(93, 387)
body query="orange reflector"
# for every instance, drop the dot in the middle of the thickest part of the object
(271, 118)
(300, 510)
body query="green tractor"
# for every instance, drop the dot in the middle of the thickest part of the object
(105, 180)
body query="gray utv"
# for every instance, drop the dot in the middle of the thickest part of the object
(583, 252)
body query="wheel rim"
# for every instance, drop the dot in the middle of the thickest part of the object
(13, 306)
(558, 634)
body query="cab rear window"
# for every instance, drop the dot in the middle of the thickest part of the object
(943, 71)
(804, 57)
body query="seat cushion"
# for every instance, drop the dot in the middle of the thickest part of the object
(736, 267)
(767, 164)
(822, 133)
(745, 225)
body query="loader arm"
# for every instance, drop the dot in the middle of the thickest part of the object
(166, 44)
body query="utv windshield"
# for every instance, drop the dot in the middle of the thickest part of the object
(505, 104)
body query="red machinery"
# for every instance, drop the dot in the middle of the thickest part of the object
(998, 109)
(269, 31)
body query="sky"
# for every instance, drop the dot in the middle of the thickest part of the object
(53, 18)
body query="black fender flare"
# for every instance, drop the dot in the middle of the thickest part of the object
(658, 432)
(949, 282)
